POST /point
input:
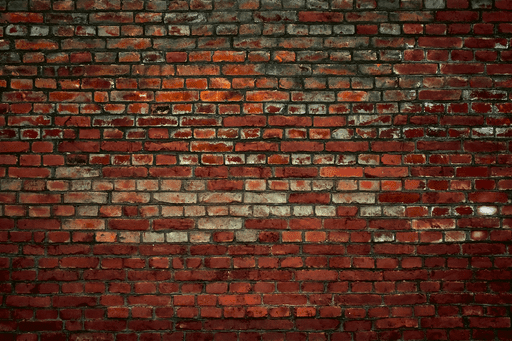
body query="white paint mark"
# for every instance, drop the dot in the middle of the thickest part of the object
(487, 210)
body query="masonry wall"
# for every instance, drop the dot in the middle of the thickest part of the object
(255, 170)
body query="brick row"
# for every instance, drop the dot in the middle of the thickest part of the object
(131, 222)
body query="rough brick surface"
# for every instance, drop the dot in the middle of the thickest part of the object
(255, 170)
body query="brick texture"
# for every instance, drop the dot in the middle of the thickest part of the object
(255, 170)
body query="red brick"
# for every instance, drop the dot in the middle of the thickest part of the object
(415, 69)
(320, 16)
(40, 44)
(221, 96)
(39, 224)
(14, 147)
(266, 96)
(463, 16)
(173, 224)
(129, 224)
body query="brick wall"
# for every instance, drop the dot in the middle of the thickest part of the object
(255, 170)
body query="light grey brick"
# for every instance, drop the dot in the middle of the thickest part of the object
(220, 223)
(176, 237)
(153, 237)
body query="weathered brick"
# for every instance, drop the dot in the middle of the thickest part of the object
(220, 223)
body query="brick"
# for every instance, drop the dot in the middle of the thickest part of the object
(220, 223)
(433, 224)
(265, 198)
(40, 44)
(173, 224)
(77, 146)
(407, 198)
(392, 323)
(176, 96)
(462, 68)
(415, 69)
(85, 197)
(346, 146)
(35, 198)
(439, 95)
(221, 96)
(36, 224)
(486, 322)
(301, 146)
(129, 224)
(341, 172)
(14, 147)
(175, 197)
(320, 16)
(378, 172)
(24, 96)
(289, 121)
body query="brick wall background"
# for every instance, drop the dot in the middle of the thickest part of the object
(255, 170)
